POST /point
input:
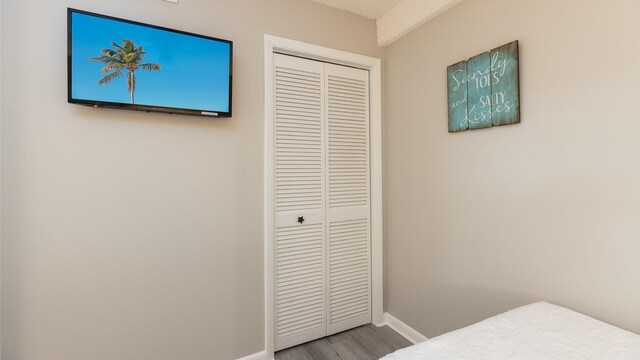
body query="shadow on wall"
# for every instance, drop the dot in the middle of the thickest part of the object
(458, 305)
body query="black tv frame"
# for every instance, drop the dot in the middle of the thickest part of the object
(147, 108)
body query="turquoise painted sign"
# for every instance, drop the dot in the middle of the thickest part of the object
(457, 88)
(479, 90)
(505, 85)
(484, 91)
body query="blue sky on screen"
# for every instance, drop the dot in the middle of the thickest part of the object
(194, 71)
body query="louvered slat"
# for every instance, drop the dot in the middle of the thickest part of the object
(298, 108)
(347, 141)
(349, 284)
(299, 280)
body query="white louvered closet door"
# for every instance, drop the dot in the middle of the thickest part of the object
(299, 171)
(347, 207)
(322, 236)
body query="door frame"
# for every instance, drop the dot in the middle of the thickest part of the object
(374, 65)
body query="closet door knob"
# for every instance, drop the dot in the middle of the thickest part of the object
(300, 219)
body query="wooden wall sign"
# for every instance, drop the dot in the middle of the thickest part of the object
(485, 90)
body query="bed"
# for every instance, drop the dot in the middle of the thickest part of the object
(538, 331)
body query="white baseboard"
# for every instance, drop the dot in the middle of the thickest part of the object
(262, 355)
(403, 329)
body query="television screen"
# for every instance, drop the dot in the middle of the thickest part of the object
(129, 65)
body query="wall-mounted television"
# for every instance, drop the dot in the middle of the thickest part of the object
(125, 64)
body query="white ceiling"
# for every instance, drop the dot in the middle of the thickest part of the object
(394, 18)
(370, 8)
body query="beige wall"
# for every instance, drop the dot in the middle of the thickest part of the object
(483, 221)
(130, 235)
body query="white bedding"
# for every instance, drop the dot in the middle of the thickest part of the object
(538, 331)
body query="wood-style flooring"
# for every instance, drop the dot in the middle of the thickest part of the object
(367, 342)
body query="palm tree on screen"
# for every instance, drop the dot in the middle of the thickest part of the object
(124, 58)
